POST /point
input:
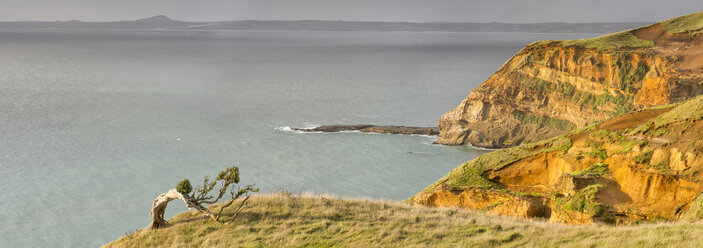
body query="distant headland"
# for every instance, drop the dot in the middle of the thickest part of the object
(162, 22)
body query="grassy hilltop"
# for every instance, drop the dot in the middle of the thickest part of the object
(283, 220)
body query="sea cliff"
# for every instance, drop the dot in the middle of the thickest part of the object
(641, 166)
(550, 87)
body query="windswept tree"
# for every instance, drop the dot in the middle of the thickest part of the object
(200, 197)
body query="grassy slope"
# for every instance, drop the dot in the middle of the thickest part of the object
(626, 39)
(691, 109)
(313, 221)
(685, 23)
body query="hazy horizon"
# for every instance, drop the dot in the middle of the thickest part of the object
(508, 11)
(277, 20)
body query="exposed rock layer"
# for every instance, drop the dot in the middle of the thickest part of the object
(550, 87)
(641, 166)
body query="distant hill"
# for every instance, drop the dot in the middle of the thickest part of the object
(164, 22)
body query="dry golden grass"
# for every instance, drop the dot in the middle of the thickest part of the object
(284, 220)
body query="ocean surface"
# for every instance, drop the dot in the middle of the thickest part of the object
(95, 124)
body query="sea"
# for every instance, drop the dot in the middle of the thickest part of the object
(94, 124)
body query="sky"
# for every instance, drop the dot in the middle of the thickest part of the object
(515, 11)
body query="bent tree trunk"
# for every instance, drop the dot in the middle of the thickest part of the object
(158, 208)
(200, 196)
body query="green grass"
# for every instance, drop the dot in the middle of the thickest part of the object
(684, 24)
(321, 221)
(599, 153)
(644, 157)
(611, 136)
(623, 39)
(628, 145)
(695, 210)
(691, 109)
(544, 121)
(584, 129)
(471, 173)
(583, 201)
(661, 166)
(626, 39)
(596, 170)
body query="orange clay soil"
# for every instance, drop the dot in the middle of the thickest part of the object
(640, 166)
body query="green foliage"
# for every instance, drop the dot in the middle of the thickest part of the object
(583, 201)
(184, 187)
(227, 180)
(608, 135)
(628, 145)
(644, 157)
(643, 129)
(661, 166)
(622, 103)
(683, 24)
(535, 84)
(471, 173)
(544, 121)
(638, 74)
(583, 129)
(599, 153)
(595, 170)
(594, 144)
(230, 175)
(566, 89)
(629, 77)
(660, 131)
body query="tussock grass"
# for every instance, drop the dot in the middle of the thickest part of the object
(283, 220)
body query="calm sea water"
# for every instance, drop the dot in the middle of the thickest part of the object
(95, 124)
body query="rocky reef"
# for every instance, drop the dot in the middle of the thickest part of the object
(551, 87)
(373, 129)
(642, 166)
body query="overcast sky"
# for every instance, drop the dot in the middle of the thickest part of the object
(352, 10)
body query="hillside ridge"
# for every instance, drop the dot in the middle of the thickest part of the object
(285, 220)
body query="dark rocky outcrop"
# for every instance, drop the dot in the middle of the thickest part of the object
(373, 129)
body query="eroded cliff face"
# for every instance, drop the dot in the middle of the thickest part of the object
(548, 88)
(641, 166)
